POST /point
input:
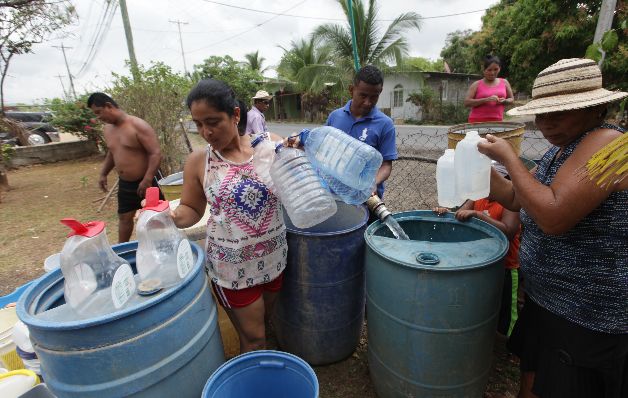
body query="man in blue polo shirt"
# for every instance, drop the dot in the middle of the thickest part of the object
(361, 119)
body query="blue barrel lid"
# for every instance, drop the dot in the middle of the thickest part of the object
(440, 243)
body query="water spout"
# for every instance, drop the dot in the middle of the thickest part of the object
(377, 206)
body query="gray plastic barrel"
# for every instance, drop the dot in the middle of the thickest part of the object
(320, 309)
(433, 305)
(166, 345)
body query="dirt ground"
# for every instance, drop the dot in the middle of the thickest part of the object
(43, 194)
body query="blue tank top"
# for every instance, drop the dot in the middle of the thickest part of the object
(582, 274)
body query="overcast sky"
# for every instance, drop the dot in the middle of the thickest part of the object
(210, 29)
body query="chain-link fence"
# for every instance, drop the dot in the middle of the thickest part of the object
(412, 184)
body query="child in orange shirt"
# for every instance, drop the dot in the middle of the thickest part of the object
(508, 222)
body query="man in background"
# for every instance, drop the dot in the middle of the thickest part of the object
(256, 122)
(133, 149)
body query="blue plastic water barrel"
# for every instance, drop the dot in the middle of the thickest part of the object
(263, 374)
(433, 305)
(166, 345)
(320, 309)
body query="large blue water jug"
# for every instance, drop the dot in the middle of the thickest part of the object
(432, 305)
(320, 309)
(263, 374)
(335, 153)
(167, 345)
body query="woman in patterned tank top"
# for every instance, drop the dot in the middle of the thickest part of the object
(246, 237)
(572, 334)
(487, 97)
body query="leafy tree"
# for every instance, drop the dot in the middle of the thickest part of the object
(157, 97)
(255, 62)
(530, 35)
(458, 52)
(422, 64)
(243, 80)
(25, 23)
(373, 48)
(76, 118)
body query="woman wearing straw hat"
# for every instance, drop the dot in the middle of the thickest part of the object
(572, 334)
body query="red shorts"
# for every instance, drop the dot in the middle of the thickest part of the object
(241, 298)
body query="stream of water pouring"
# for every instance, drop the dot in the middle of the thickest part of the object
(395, 228)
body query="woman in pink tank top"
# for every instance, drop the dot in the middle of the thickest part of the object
(487, 97)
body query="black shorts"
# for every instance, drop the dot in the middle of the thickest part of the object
(569, 360)
(128, 199)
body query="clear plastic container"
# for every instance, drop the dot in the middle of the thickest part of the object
(446, 180)
(344, 192)
(473, 169)
(263, 159)
(335, 153)
(300, 190)
(97, 280)
(164, 255)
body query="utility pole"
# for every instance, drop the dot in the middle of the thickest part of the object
(65, 94)
(62, 47)
(185, 68)
(129, 40)
(604, 23)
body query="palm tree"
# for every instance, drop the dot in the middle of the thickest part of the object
(372, 48)
(255, 62)
(310, 65)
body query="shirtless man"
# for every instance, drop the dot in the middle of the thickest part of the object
(133, 149)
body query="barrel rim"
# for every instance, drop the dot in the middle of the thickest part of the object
(446, 218)
(55, 276)
(470, 126)
(261, 354)
(361, 224)
(170, 179)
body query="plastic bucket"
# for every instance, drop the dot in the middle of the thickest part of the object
(8, 355)
(433, 304)
(171, 186)
(320, 309)
(510, 131)
(165, 345)
(263, 374)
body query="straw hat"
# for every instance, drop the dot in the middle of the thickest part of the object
(566, 85)
(261, 94)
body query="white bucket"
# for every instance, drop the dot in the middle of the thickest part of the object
(14, 384)
(52, 262)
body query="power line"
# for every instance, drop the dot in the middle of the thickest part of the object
(331, 19)
(248, 30)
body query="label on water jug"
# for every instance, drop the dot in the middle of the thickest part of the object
(185, 259)
(123, 285)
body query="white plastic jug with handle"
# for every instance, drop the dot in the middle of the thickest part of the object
(97, 280)
(473, 169)
(164, 255)
(446, 180)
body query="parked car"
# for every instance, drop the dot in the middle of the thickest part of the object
(38, 126)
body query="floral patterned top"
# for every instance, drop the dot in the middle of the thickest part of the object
(246, 236)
